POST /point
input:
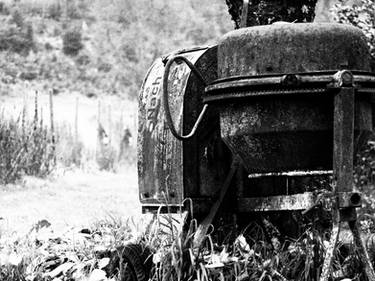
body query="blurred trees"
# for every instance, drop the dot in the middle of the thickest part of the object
(137, 32)
(101, 47)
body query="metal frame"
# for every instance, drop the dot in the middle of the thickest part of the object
(342, 199)
(343, 137)
(287, 84)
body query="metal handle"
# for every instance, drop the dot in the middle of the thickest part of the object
(166, 102)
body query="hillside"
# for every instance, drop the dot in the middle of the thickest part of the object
(92, 56)
(98, 47)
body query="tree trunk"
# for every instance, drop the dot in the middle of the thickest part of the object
(262, 12)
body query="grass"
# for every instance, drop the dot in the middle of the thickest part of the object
(78, 142)
(84, 253)
(72, 199)
(26, 148)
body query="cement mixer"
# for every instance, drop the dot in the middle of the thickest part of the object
(245, 126)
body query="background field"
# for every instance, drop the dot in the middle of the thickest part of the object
(91, 57)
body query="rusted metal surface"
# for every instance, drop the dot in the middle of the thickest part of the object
(343, 139)
(282, 105)
(272, 119)
(290, 174)
(302, 201)
(283, 84)
(349, 199)
(277, 203)
(168, 116)
(343, 200)
(168, 169)
(292, 48)
(241, 94)
(207, 159)
(327, 264)
(201, 232)
(160, 155)
(277, 134)
(343, 135)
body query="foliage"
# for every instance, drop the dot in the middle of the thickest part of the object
(111, 44)
(362, 16)
(72, 42)
(69, 149)
(16, 35)
(95, 251)
(262, 12)
(25, 148)
(54, 9)
(45, 255)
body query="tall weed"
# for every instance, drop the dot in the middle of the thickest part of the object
(25, 147)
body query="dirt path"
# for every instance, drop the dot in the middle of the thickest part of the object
(72, 200)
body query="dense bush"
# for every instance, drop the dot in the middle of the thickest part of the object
(16, 35)
(362, 16)
(72, 42)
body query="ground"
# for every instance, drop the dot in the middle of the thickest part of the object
(74, 199)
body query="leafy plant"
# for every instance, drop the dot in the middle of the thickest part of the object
(16, 38)
(25, 148)
(72, 42)
(362, 16)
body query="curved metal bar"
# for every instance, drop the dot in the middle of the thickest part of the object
(166, 101)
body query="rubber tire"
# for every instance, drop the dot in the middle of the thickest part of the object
(135, 262)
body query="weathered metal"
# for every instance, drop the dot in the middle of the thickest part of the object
(349, 199)
(292, 48)
(168, 116)
(287, 104)
(343, 206)
(277, 203)
(290, 174)
(301, 201)
(169, 170)
(282, 84)
(201, 232)
(276, 106)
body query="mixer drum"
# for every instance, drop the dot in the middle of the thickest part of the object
(293, 132)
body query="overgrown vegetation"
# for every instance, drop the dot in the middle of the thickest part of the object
(114, 44)
(96, 253)
(362, 16)
(16, 34)
(96, 48)
(102, 47)
(72, 42)
(26, 147)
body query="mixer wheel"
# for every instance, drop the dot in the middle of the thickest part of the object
(135, 262)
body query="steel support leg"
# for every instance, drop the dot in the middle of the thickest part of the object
(326, 271)
(203, 227)
(343, 138)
